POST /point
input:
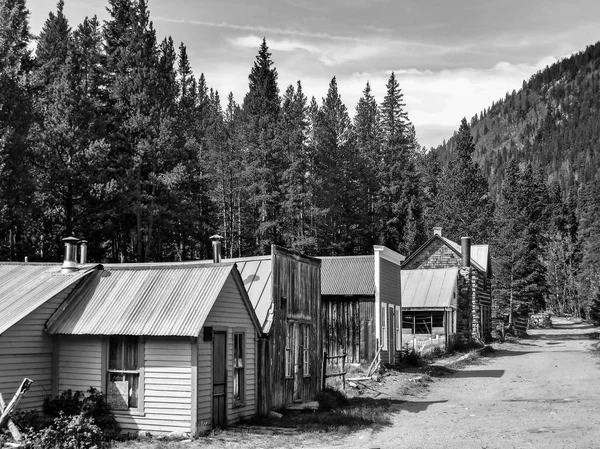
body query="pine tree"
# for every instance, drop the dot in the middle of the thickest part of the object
(263, 163)
(463, 206)
(16, 183)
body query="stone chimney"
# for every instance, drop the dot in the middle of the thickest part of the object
(465, 243)
(83, 253)
(70, 262)
(216, 245)
(437, 231)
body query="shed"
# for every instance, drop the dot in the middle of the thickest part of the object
(29, 294)
(285, 291)
(173, 346)
(362, 305)
(429, 307)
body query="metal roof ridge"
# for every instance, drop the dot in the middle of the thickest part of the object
(165, 266)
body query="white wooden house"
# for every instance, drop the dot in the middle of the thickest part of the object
(172, 345)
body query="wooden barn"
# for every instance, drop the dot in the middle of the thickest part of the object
(474, 302)
(285, 291)
(173, 346)
(30, 293)
(429, 308)
(362, 303)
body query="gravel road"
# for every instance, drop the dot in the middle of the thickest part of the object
(543, 392)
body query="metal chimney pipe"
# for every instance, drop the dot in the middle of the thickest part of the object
(70, 262)
(465, 243)
(83, 253)
(437, 231)
(216, 245)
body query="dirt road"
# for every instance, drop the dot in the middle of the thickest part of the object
(541, 393)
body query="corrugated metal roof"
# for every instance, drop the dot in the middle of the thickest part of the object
(257, 278)
(348, 275)
(428, 288)
(169, 300)
(26, 286)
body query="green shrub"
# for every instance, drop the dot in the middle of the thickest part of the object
(330, 399)
(69, 432)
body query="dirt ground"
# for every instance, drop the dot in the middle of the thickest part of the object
(542, 392)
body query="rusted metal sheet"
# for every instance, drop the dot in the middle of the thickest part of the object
(348, 275)
(142, 300)
(428, 288)
(26, 286)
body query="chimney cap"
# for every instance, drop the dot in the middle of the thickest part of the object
(437, 230)
(70, 239)
(216, 237)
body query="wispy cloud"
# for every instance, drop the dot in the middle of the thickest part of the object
(260, 29)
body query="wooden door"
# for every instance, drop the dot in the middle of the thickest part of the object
(391, 334)
(297, 345)
(219, 379)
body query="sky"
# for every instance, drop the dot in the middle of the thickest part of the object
(452, 58)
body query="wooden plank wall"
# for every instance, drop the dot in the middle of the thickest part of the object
(79, 362)
(229, 314)
(26, 351)
(342, 326)
(298, 280)
(367, 335)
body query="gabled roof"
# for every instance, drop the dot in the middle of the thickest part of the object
(147, 300)
(455, 247)
(26, 286)
(429, 288)
(348, 275)
(481, 255)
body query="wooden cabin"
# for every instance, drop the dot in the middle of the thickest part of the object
(362, 303)
(285, 291)
(474, 302)
(173, 346)
(429, 308)
(29, 294)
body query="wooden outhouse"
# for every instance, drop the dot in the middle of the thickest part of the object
(285, 291)
(474, 302)
(173, 346)
(29, 294)
(362, 304)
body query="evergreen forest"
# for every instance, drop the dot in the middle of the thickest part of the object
(107, 134)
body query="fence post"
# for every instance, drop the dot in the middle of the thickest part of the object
(344, 370)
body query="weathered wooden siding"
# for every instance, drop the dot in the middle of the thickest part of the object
(367, 335)
(79, 362)
(26, 351)
(342, 327)
(228, 314)
(296, 299)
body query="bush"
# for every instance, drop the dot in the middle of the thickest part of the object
(330, 399)
(69, 432)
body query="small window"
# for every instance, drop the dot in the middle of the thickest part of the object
(123, 382)
(306, 350)
(384, 329)
(398, 326)
(238, 369)
(288, 350)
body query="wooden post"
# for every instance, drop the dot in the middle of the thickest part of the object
(344, 369)
(11, 425)
(15, 401)
(324, 368)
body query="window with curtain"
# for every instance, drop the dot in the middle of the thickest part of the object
(123, 372)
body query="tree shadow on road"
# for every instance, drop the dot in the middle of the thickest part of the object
(394, 404)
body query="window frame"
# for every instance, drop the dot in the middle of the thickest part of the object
(306, 350)
(138, 371)
(289, 351)
(239, 369)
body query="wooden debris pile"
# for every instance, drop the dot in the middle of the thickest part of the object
(7, 410)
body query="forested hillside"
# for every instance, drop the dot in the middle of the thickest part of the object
(539, 149)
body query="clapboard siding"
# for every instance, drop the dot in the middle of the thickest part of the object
(26, 351)
(167, 388)
(389, 282)
(79, 362)
(229, 313)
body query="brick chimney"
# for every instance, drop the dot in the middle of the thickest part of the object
(465, 243)
(216, 245)
(70, 262)
(437, 231)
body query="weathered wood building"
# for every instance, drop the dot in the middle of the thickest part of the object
(285, 291)
(361, 299)
(474, 302)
